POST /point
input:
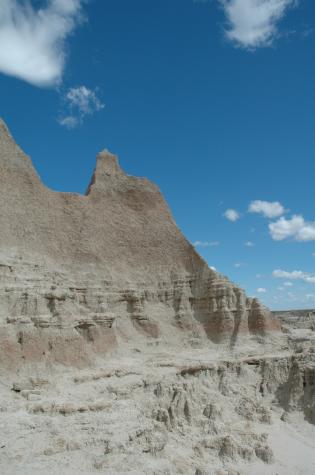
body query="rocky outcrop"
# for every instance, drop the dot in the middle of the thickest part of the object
(143, 416)
(82, 275)
(122, 352)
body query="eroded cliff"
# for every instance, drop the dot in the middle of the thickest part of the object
(82, 274)
(122, 352)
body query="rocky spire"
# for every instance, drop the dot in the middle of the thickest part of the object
(15, 162)
(3, 128)
(5, 135)
(107, 167)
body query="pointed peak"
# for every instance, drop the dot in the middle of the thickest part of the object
(6, 139)
(14, 161)
(4, 131)
(107, 163)
(107, 170)
(8, 146)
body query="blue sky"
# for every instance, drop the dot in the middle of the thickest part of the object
(212, 100)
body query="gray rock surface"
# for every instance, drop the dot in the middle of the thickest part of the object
(121, 352)
(80, 273)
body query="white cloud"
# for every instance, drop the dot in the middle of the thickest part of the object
(83, 99)
(213, 268)
(296, 228)
(32, 48)
(261, 290)
(288, 284)
(70, 122)
(80, 102)
(294, 275)
(206, 243)
(32, 41)
(267, 208)
(239, 264)
(232, 215)
(249, 244)
(253, 23)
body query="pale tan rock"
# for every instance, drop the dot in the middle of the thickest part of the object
(81, 275)
(121, 352)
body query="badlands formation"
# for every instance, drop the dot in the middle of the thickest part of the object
(122, 352)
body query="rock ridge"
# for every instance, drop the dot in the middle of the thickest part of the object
(82, 275)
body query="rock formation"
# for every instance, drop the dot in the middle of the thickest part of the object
(80, 272)
(122, 352)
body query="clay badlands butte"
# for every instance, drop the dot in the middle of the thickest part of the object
(122, 352)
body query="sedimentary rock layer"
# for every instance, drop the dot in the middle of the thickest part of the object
(171, 414)
(82, 274)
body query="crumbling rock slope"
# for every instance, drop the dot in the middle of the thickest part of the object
(78, 274)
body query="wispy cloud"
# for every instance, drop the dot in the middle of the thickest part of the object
(296, 228)
(294, 275)
(238, 265)
(206, 243)
(32, 41)
(261, 290)
(70, 122)
(79, 103)
(288, 284)
(232, 215)
(249, 244)
(268, 209)
(254, 23)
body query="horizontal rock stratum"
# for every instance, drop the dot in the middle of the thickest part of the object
(83, 274)
(122, 352)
